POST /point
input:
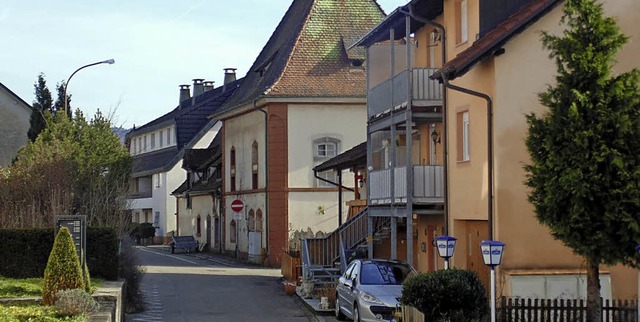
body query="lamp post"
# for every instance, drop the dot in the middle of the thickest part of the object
(108, 61)
(638, 304)
(492, 256)
(446, 246)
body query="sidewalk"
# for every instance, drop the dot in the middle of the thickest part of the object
(208, 256)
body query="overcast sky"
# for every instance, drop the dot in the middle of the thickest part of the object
(157, 45)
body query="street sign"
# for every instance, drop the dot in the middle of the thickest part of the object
(237, 205)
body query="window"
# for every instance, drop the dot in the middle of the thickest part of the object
(161, 137)
(462, 27)
(232, 169)
(254, 165)
(232, 231)
(324, 149)
(199, 226)
(144, 139)
(169, 136)
(139, 144)
(153, 141)
(252, 220)
(463, 136)
(259, 220)
(134, 147)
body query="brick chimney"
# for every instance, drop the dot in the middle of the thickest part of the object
(229, 76)
(198, 88)
(185, 94)
(208, 85)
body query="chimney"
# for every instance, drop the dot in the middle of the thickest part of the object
(229, 76)
(184, 93)
(198, 88)
(208, 85)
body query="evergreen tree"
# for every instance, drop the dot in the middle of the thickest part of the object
(41, 108)
(59, 104)
(584, 173)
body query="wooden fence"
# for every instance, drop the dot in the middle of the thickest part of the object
(518, 309)
(291, 267)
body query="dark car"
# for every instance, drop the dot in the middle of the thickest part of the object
(369, 289)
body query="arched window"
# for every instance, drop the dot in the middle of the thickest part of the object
(252, 220)
(232, 231)
(254, 165)
(232, 168)
(198, 226)
(259, 220)
(324, 149)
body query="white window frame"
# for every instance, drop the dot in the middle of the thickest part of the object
(169, 136)
(153, 141)
(330, 149)
(464, 23)
(466, 155)
(161, 138)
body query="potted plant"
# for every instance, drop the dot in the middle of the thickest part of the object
(308, 284)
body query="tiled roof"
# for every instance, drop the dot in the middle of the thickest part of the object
(193, 158)
(306, 55)
(148, 163)
(494, 39)
(356, 156)
(191, 123)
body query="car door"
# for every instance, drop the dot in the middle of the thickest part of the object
(343, 289)
(351, 291)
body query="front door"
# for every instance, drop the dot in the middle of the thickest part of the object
(255, 246)
(477, 231)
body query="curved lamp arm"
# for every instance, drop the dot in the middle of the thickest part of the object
(108, 61)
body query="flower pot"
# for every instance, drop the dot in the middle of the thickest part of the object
(290, 288)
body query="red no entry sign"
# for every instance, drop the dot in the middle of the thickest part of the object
(237, 205)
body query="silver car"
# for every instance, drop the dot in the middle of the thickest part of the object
(369, 289)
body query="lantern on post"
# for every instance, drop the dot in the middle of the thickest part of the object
(446, 246)
(492, 256)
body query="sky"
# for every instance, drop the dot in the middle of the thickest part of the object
(157, 46)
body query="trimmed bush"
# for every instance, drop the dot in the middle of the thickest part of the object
(63, 268)
(452, 295)
(102, 252)
(86, 278)
(74, 302)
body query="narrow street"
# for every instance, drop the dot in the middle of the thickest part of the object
(198, 287)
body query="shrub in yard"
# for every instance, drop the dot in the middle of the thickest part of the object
(86, 278)
(132, 274)
(74, 302)
(63, 268)
(452, 295)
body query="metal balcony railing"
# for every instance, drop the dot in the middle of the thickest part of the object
(428, 184)
(380, 98)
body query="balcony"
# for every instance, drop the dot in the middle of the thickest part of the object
(426, 92)
(428, 185)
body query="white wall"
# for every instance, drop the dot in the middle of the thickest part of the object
(240, 133)
(14, 125)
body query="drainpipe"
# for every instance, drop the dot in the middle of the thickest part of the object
(486, 97)
(340, 187)
(266, 174)
(445, 147)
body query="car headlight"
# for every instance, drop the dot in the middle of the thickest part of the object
(370, 298)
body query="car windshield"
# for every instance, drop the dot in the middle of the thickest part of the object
(384, 273)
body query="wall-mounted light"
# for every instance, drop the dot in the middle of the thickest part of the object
(435, 136)
(435, 37)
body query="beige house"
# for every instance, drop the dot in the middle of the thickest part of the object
(301, 103)
(14, 124)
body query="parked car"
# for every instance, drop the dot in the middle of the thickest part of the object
(369, 289)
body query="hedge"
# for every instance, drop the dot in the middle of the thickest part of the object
(24, 252)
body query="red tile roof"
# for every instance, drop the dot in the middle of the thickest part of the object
(494, 39)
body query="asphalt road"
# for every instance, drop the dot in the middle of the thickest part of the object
(188, 287)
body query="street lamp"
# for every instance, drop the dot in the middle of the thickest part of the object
(492, 256)
(108, 61)
(638, 249)
(446, 246)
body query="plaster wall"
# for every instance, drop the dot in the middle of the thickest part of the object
(14, 125)
(524, 71)
(241, 132)
(307, 123)
(201, 205)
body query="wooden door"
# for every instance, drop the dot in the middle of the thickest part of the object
(477, 231)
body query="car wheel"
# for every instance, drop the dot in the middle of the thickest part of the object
(339, 315)
(356, 313)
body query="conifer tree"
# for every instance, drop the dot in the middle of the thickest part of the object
(584, 172)
(63, 269)
(41, 107)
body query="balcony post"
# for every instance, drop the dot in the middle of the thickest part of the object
(408, 141)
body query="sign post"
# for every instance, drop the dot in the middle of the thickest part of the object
(237, 206)
(77, 226)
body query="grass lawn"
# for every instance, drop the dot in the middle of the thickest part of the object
(31, 287)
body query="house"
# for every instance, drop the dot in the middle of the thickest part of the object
(198, 197)
(14, 124)
(158, 147)
(442, 166)
(301, 103)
